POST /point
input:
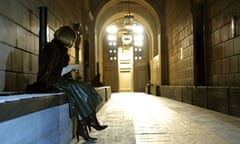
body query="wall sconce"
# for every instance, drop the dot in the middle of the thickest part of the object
(181, 53)
(233, 26)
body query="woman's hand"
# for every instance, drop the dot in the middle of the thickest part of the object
(70, 68)
(75, 67)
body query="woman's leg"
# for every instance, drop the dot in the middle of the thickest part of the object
(93, 122)
(82, 130)
(84, 100)
(95, 99)
(79, 106)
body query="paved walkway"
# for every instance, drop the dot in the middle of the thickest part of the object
(138, 118)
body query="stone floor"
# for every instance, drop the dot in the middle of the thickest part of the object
(138, 118)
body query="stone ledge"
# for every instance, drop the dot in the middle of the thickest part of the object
(234, 101)
(19, 105)
(218, 98)
(105, 92)
(48, 112)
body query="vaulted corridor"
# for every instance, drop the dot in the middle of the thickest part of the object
(138, 118)
(168, 71)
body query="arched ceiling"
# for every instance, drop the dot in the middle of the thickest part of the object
(146, 12)
(113, 11)
(96, 5)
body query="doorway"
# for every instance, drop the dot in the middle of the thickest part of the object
(125, 68)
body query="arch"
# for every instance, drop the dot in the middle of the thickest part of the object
(113, 11)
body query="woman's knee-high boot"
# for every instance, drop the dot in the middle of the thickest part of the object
(93, 122)
(82, 131)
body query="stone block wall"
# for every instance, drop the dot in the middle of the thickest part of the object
(200, 96)
(19, 38)
(187, 95)
(222, 99)
(46, 115)
(35, 118)
(224, 43)
(217, 98)
(179, 26)
(221, 46)
(234, 101)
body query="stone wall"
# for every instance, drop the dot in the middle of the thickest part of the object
(222, 99)
(19, 39)
(224, 44)
(179, 25)
(221, 43)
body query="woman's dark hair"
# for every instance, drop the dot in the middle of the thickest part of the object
(65, 35)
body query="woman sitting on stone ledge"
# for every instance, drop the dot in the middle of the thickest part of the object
(55, 76)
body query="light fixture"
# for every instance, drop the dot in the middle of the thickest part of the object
(128, 19)
(127, 39)
(112, 29)
(181, 53)
(112, 37)
(128, 36)
(138, 29)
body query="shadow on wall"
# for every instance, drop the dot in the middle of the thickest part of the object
(13, 76)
